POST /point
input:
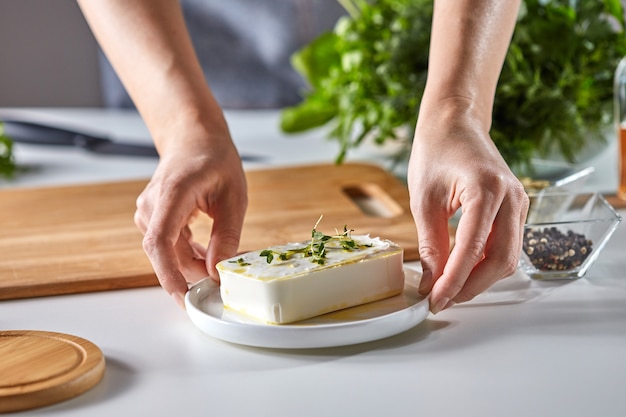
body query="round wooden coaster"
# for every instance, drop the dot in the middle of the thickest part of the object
(39, 368)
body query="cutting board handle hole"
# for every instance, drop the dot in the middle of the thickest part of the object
(372, 200)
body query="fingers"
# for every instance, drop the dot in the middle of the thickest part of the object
(434, 242)
(471, 237)
(455, 164)
(161, 239)
(488, 246)
(191, 257)
(225, 235)
(164, 211)
(502, 250)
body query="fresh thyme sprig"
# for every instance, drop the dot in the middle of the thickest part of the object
(316, 249)
(240, 262)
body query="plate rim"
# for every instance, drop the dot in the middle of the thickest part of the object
(298, 336)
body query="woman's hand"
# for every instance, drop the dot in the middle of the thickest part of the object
(148, 45)
(187, 181)
(454, 164)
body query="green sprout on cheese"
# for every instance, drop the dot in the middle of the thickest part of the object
(240, 262)
(316, 249)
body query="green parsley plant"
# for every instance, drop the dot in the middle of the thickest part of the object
(554, 95)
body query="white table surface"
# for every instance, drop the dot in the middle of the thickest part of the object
(520, 349)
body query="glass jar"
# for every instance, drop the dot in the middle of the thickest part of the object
(620, 123)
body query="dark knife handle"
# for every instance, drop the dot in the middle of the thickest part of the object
(40, 134)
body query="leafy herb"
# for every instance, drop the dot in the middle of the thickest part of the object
(268, 254)
(7, 162)
(555, 94)
(240, 262)
(553, 98)
(366, 77)
(316, 249)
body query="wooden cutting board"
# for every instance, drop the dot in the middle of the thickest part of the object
(60, 240)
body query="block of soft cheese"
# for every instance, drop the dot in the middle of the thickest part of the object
(291, 285)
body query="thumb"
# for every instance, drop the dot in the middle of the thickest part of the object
(434, 245)
(224, 242)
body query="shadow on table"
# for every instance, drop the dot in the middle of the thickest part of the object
(515, 289)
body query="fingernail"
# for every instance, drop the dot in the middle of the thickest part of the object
(440, 305)
(179, 299)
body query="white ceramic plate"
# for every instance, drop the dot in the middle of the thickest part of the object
(358, 324)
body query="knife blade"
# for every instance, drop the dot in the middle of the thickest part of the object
(34, 133)
(40, 134)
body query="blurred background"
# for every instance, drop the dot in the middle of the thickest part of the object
(48, 56)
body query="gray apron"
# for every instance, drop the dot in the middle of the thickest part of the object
(244, 47)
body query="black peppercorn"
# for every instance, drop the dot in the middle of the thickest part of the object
(551, 250)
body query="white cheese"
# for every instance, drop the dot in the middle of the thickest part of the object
(286, 291)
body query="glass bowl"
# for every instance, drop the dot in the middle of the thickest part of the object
(565, 233)
(548, 178)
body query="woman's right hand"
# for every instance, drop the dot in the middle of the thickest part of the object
(147, 43)
(207, 178)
